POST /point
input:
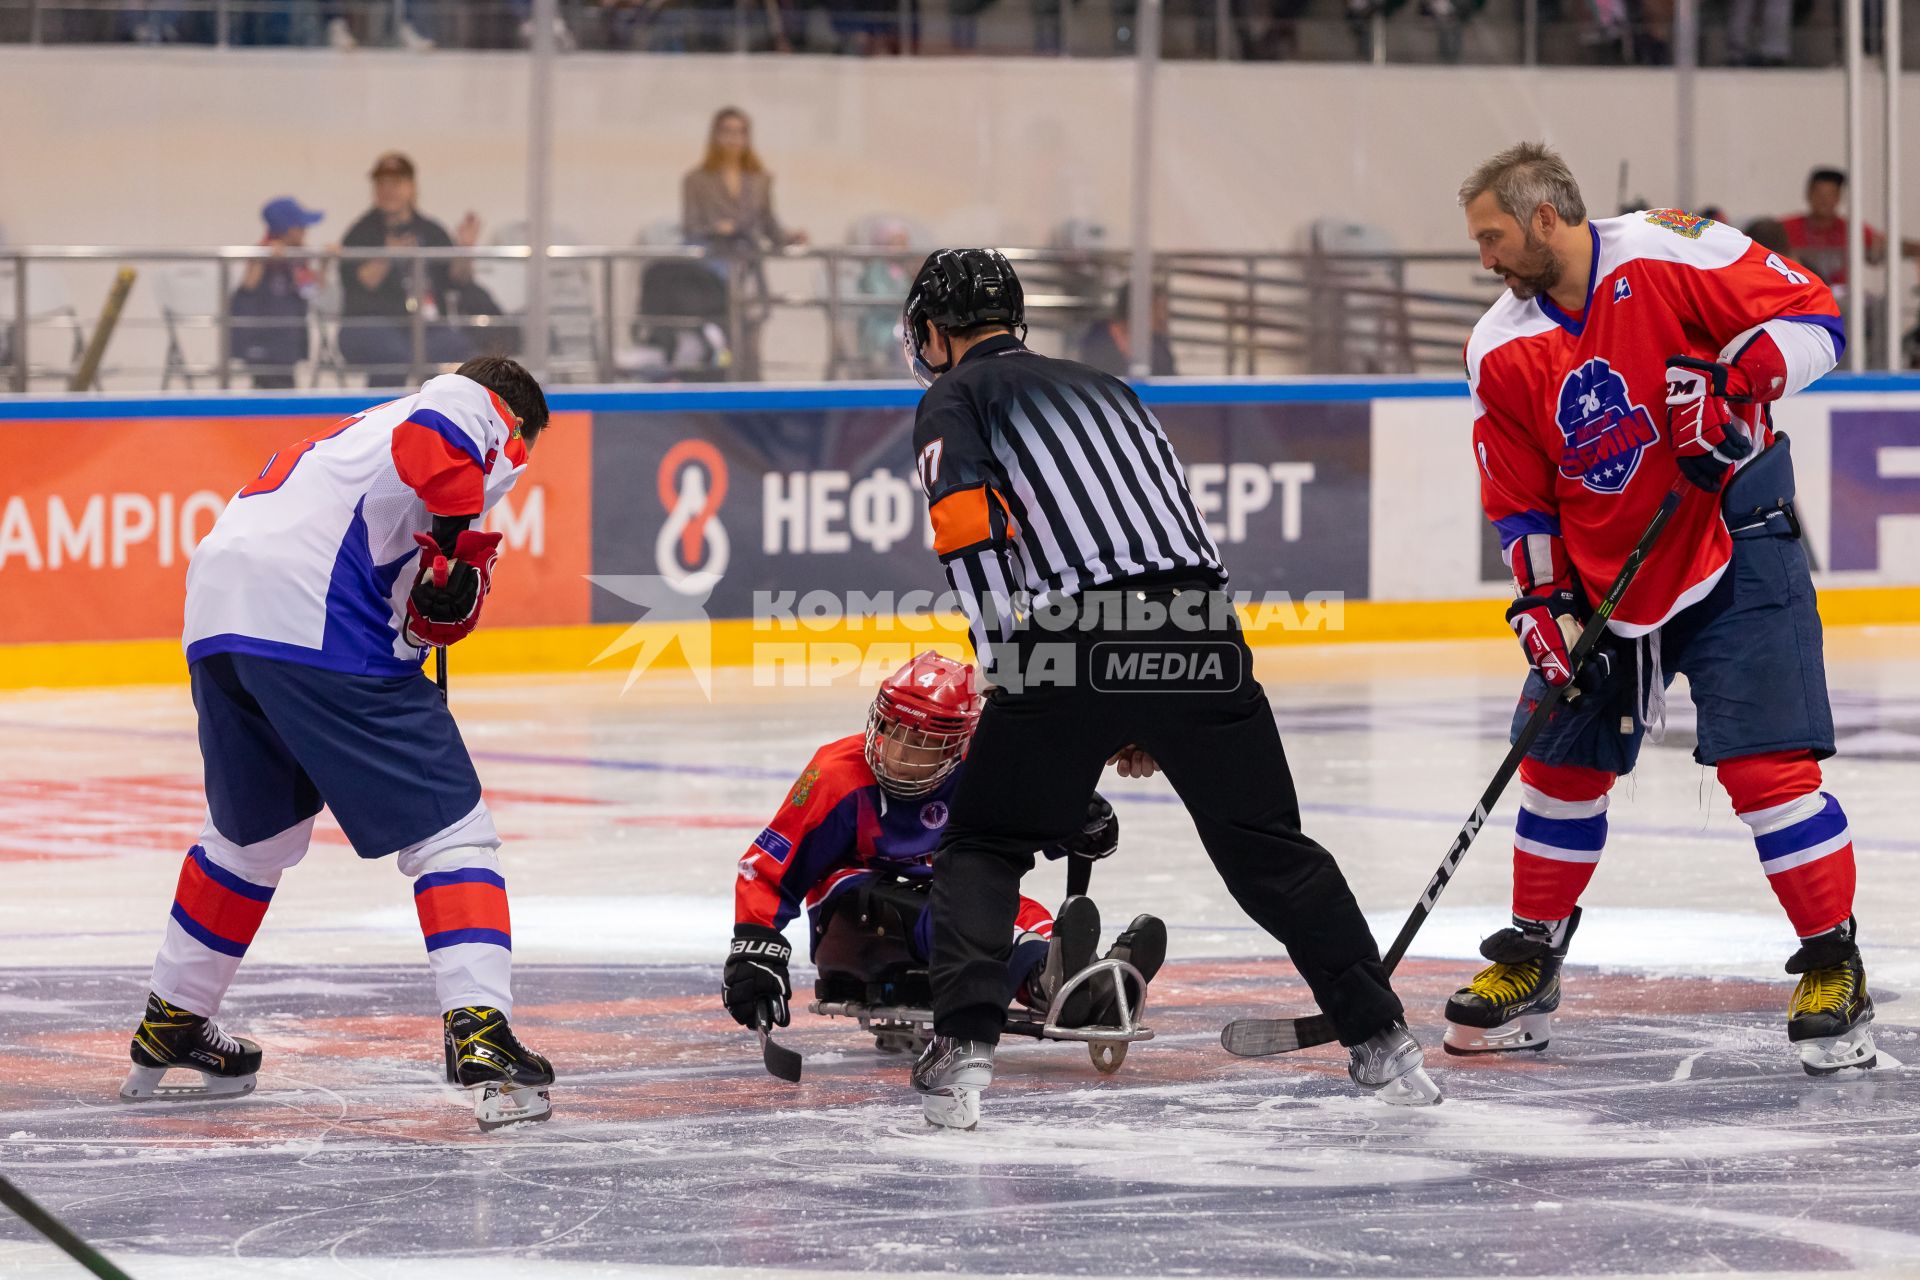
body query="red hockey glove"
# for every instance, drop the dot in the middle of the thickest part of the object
(1548, 627)
(444, 605)
(1700, 421)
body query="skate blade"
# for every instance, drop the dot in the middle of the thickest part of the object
(496, 1108)
(1835, 1054)
(1528, 1032)
(1414, 1089)
(957, 1107)
(146, 1084)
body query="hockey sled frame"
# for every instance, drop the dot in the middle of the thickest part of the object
(1106, 1046)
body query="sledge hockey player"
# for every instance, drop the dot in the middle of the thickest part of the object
(1631, 354)
(310, 607)
(860, 826)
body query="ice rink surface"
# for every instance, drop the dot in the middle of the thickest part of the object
(1667, 1129)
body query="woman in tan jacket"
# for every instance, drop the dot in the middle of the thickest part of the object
(727, 202)
(726, 206)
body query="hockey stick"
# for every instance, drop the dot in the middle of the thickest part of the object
(440, 669)
(55, 1230)
(1259, 1037)
(782, 1063)
(1079, 875)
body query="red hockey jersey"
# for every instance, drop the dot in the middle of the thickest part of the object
(1570, 426)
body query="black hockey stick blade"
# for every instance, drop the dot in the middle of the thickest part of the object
(55, 1230)
(782, 1063)
(1260, 1037)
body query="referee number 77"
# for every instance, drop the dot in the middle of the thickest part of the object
(930, 465)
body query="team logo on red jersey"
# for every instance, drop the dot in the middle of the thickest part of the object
(1680, 222)
(1605, 431)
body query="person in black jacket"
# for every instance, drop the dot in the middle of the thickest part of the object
(1096, 602)
(378, 295)
(1107, 346)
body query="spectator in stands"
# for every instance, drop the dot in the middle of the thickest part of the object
(1772, 45)
(378, 299)
(726, 206)
(270, 306)
(1818, 238)
(883, 280)
(726, 203)
(1108, 346)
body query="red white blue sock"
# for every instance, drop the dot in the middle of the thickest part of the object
(461, 898)
(1801, 833)
(218, 903)
(1557, 838)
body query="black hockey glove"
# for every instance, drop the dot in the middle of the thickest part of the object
(1099, 836)
(756, 975)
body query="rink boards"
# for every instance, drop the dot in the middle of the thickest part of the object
(780, 525)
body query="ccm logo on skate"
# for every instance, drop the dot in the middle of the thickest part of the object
(1181, 666)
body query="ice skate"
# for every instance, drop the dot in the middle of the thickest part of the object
(1509, 1005)
(949, 1076)
(170, 1038)
(1142, 944)
(509, 1081)
(1076, 932)
(1390, 1062)
(1828, 1020)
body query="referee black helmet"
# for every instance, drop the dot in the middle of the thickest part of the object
(959, 290)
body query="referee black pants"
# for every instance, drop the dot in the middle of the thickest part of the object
(1037, 754)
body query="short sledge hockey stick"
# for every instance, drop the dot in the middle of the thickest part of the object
(1259, 1037)
(782, 1062)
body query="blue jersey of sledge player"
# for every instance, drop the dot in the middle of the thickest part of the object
(859, 829)
(310, 606)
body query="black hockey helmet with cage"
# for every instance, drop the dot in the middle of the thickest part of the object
(959, 289)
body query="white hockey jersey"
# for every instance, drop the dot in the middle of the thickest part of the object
(313, 560)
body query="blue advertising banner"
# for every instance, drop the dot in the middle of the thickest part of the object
(737, 510)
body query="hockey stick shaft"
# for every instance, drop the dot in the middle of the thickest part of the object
(1316, 1029)
(1079, 875)
(1590, 637)
(56, 1231)
(440, 669)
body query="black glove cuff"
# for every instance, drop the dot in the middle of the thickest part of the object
(1565, 602)
(1715, 371)
(758, 942)
(447, 531)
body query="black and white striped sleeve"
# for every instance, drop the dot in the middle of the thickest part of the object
(972, 528)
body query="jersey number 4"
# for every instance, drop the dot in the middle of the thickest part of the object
(281, 464)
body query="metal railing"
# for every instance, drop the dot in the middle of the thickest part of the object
(657, 313)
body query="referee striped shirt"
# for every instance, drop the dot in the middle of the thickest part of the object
(1047, 478)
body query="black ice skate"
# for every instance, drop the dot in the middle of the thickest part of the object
(1389, 1062)
(509, 1080)
(1142, 944)
(170, 1038)
(1509, 1005)
(949, 1076)
(1831, 1008)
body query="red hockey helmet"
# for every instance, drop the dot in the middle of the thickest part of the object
(918, 727)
